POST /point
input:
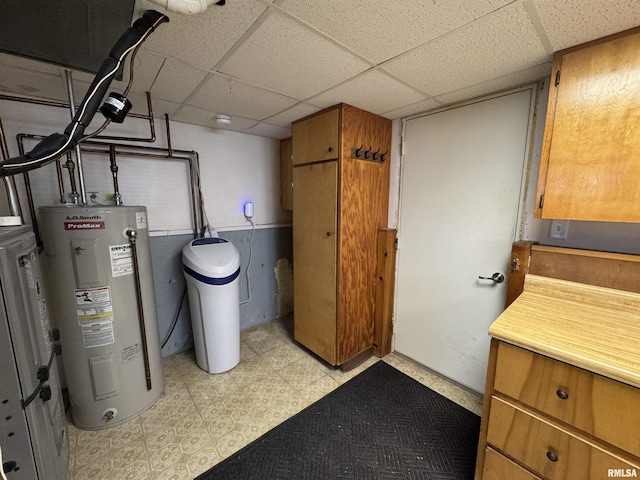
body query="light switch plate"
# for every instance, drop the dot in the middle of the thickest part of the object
(559, 229)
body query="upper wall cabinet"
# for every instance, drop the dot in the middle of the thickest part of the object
(316, 139)
(590, 165)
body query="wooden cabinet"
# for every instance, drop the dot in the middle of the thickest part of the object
(340, 200)
(590, 164)
(563, 385)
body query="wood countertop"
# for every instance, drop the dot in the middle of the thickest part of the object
(591, 327)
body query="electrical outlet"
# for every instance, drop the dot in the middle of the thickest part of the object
(559, 229)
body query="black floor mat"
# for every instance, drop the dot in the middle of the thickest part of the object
(381, 424)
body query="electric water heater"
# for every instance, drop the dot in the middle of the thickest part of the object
(99, 270)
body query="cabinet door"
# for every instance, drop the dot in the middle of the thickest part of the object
(316, 138)
(314, 257)
(592, 151)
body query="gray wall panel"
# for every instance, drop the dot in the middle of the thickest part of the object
(269, 275)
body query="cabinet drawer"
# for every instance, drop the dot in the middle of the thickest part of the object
(548, 450)
(316, 138)
(604, 408)
(499, 467)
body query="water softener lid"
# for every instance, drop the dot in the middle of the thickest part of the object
(212, 257)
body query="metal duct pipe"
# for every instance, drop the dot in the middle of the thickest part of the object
(187, 7)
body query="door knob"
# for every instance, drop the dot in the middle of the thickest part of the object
(496, 277)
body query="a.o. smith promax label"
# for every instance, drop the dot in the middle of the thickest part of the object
(81, 222)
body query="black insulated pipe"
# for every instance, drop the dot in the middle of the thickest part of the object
(57, 144)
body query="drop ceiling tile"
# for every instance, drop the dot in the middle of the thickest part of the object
(418, 107)
(270, 131)
(176, 80)
(146, 66)
(205, 38)
(223, 94)
(573, 22)
(494, 46)
(284, 56)
(158, 106)
(389, 93)
(17, 81)
(381, 29)
(162, 107)
(199, 116)
(27, 64)
(530, 75)
(298, 111)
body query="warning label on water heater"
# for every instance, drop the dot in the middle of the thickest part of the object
(94, 311)
(121, 259)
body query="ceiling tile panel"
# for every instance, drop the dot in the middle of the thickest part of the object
(176, 81)
(298, 111)
(223, 94)
(492, 47)
(573, 22)
(268, 63)
(200, 116)
(205, 38)
(382, 29)
(357, 92)
(418, 107)
(27, 63)
(311, 62)
(18, 81)
(524, 77)
(269, 131)
(160, 108)
(146, 66)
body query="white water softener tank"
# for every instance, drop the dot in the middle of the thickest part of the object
(211, 268)
(99, 270)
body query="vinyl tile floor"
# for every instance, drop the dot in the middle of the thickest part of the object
(202, 419)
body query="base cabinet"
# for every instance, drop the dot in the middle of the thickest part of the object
(548, 419)
(340, 201)
(499, 467)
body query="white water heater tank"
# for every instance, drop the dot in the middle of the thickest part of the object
(101, 291)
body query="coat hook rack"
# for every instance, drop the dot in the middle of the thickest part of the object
(361, 154)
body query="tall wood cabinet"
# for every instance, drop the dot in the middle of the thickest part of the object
(590, 165)
(340, 200)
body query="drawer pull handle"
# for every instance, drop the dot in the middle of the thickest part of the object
(562, 394)
(552, 456)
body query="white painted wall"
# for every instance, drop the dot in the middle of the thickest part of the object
(235, 168)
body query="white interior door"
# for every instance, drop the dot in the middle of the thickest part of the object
(462, 178)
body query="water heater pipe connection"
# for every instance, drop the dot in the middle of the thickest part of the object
(133, 236)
